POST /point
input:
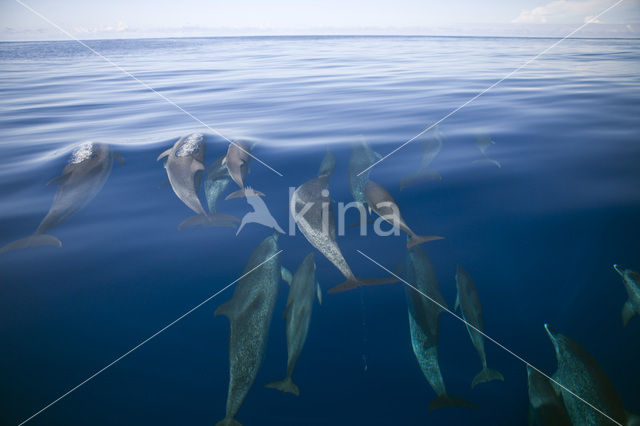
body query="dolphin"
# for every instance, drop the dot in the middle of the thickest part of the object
(580, 372)
(469, 303)
(362, 157)
(237, 162)
(424, 322)
(312, 211)
(81, 180)
(302, 291)
(545, 405)
(431, 143)
(216, 181)
(483, 142)
(631, 280)
(249, 312)
(260, 213)
(328, 164)
(185, 167)
(380, 201)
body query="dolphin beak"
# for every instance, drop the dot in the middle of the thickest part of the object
(550, 332)
(619, 269)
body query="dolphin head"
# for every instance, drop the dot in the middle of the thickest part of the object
(619, 269)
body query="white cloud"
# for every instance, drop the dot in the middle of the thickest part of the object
(562, 11)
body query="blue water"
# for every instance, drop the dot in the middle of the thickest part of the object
(539, 235)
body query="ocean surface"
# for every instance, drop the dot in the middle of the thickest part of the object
(539, 235)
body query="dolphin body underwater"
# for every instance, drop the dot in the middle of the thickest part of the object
(580, 372)
(312, 210)
(81, 180)
(380, 201)
(545, 405)
(250, 311)
(631, 281)
(483, 142)
(185, 167)
(431, 143)
(237, 163)
(469, 303)
(361, 158)
(302, 291)
(216, 181)
(424, 323)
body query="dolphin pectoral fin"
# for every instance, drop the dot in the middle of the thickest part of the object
(58, 180)
(226, 309)
(627, 312)
(32, 241)
(237, 194)
(446, 400)
(419, 239)
(344, 286)
(319, 293)
(224, 160)
(164, 154)
(457, 305)
(286, 275)
(486, 375)
(119, 158)
(285, 385)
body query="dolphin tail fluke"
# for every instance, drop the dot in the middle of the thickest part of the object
(34, 240)
(419, 239)
(213, 219)
(486, 375)
(446, 400)
(285, 385)
(352, 283)
(627, 312)
(228, 422)
(240, 193)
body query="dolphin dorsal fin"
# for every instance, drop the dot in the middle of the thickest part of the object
(318, 293)
(164, 154)
(60, 179)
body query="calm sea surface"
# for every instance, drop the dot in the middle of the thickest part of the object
(539, 235)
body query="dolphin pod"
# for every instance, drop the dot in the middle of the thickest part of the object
(303, 289)
(81, 180)
(631, 280)
(469, 303)
(424, 323)
(249, 312)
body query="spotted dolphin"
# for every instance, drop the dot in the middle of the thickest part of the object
(424, 322)
(302, 291)
(81, 180)
(380, 201)
(216, 181)
(249, 312)
(469, 303)
(328, 164)
(545, 405)
(362, 157)
(237, 163)
(631, 280)
(579, 372)
(431, 143)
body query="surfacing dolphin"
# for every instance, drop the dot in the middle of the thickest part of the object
(631, 281)
(424, 323)
(303, 289)
(545, 405)
(431, 143)
(380, 201)
(237, 162)
(81, 180)
(249, 312)
(580, 372)
(469, 303)
(483, 142)
(185, 167)
(312, 211)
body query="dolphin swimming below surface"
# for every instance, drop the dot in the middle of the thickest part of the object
(362, 157)
(81, 180)
(579, 372)
(216, 181)
(249, 312)
(469, 303)
(380, 201)
(303, 289)
(631, 280)
(237, 162)
(545, 405)
(424, 322)
(431, 143)
(483, 142)
(328, 164)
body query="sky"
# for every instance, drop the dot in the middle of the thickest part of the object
(87, 19)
